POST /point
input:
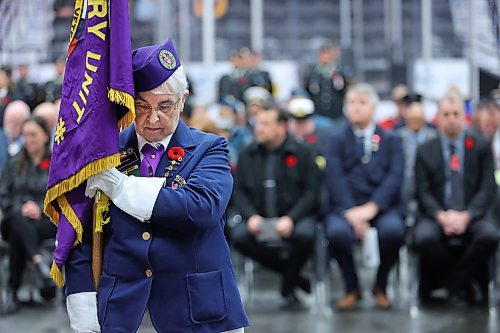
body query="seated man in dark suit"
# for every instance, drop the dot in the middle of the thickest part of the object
(277, 177)
(455, 190)
(364, 174)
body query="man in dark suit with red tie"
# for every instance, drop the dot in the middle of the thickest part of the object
(455, 190)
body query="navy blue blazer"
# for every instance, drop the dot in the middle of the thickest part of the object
(192, 287)
(350, 182)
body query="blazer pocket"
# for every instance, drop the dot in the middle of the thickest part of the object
(104, 291)
(206, 297)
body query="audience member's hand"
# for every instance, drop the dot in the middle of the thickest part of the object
(253, 224)
(284, 226)
(363, 213)
(360, 229)
(460, 220)
(445, 220)
(30, 209)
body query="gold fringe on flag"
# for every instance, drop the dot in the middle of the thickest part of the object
(74, 181)
(56, 275)
(125, 99)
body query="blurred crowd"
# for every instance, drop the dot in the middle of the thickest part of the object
(316, 166)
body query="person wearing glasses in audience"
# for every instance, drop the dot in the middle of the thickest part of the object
(164, 249)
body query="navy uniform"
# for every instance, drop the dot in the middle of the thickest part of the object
(164, 249)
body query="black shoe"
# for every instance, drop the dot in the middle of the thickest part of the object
(457, 299)
(304, 284)
(292, 303)
(11, 303)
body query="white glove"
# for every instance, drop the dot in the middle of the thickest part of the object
(136, 196)
(82, 311)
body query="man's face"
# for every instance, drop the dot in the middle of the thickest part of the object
(268, 130)
(157, 115)
(496, 110)
(14, 117)
(301, 128)
(415, 119)
(451, 116)
(486, 121)
(360, 109)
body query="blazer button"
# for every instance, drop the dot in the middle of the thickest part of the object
(149, 273)
(146, 236)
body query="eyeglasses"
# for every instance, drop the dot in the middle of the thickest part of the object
(165, 107)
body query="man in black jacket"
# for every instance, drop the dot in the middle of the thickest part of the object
(277, 182)
(455, 190)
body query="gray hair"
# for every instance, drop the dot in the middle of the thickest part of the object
(454, 97)
(364, 88)
(175, 84)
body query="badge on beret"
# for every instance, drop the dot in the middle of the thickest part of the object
(167, 59)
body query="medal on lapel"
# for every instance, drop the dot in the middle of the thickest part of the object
(129, 161)
(178, 182)
(175, 154)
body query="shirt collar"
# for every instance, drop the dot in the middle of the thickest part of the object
(141, 142)
(3, 92)
(367, 132)
(458, 142)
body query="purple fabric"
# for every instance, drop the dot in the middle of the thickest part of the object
(153, 65)
(151, 159)
(99, 58)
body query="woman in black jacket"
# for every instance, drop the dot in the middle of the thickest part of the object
(22, 191)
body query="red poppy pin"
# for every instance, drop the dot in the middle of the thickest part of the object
(469, 143)
(375, 142)
(176, 153)
(291, 161)
(44, 164)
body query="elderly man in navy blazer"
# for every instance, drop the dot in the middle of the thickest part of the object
(164, 249)
(363, 175)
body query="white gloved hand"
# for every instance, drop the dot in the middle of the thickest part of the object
(82, 312)
(136, 196)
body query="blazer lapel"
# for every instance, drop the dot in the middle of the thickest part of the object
(182, 138)
(351, 154)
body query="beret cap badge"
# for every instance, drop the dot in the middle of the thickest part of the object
(167, 59)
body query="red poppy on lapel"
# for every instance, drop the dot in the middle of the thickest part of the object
(291, 161)
(312, 139)
(375, 142)
(44, 164)
(176, 153)
(469, 142)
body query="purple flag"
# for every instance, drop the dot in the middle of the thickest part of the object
(97, 101)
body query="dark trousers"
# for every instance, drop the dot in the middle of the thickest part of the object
(25, 238)
(299, 246)
(439, 254)
(390, 229)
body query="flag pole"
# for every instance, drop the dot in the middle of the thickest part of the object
(97, 245)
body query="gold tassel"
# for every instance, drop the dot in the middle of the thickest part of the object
(101, 209)
(125, 99)
(56, 275)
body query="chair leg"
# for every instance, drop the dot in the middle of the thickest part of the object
(321, 262)
(248, 280)
(414, 300)
(492, 302)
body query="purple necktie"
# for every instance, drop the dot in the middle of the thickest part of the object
(151, 159)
